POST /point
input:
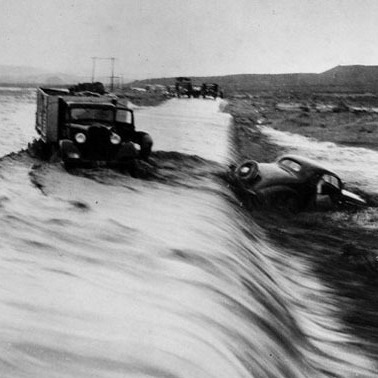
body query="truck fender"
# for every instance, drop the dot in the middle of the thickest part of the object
(127, 151)
(68, 150)
(145, 142)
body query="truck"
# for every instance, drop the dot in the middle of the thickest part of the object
(184, 87)
(212, 90)
(86, 127)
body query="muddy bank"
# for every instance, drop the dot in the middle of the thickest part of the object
(350, 120)
(141, 98)
(247, 140)
(341, 246)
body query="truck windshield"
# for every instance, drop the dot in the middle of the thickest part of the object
(95, 114)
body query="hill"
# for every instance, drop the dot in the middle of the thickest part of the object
(354, 78)
(17, 75)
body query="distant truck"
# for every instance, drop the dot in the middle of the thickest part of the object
(184, 87)
(84, 127)
(196, 91)
(211, 90)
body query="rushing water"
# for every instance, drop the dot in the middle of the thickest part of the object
(355, 165)
(104, 275)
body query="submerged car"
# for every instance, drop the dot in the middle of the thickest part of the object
(293, 183)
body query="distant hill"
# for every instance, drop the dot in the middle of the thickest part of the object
(30, 75)
(355, 78)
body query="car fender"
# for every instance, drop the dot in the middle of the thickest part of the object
(247, 171)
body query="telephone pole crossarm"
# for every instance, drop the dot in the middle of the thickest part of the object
(112, 61)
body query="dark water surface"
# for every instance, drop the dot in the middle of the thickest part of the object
(105, 275)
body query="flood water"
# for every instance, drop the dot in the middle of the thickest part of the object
(355, 165)
(105, 275)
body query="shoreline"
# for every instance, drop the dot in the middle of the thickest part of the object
(343, 253)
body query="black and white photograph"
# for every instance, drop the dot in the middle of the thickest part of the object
(189, 189)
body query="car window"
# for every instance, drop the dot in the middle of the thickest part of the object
(290, 164)
(331, 180)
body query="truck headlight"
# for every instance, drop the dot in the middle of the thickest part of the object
(80, 138)
(115, 139)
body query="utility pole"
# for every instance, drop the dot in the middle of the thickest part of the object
(112, 61)
(112, 77)
(93, 67)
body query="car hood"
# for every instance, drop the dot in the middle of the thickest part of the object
(271, 175)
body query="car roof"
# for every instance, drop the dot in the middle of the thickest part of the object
(307, 164)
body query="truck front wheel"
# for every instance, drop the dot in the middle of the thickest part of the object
(145, 142)
(69, 153)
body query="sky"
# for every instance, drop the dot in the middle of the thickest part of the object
(164, 38)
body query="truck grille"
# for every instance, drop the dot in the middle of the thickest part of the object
(98, 146)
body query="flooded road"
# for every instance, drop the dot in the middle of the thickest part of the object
(201, 130)
(105, 275)
(17, 115)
